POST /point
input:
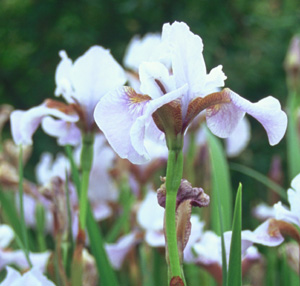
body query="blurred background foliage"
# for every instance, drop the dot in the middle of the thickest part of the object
(249, 38)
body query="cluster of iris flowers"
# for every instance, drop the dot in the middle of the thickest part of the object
(140, 157)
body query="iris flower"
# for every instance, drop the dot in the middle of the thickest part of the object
(169, 100)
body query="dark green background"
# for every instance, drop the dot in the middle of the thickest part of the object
(249, 38)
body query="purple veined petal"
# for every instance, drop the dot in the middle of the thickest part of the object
(223, 119)
(238, 139)
(117, 251)
(262, 236)
(150, 215)
(214, 80)
(6, 235)
(139, 127)
(93, 75)
(282, 213)
(115, 114)
(155, 79)
(25, 123)
(63, 78)
(67, 133)
(155, 238)
(141, 49)
(267, 111)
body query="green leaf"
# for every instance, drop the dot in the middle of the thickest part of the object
(260, 178)
(221, 186)
(107, 274)
(293, 144)
(234, 277)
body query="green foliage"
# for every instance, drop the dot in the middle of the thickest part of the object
(234, 277)
(221, 186)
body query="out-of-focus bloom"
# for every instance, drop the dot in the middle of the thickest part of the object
(85, 81)
(33, 277)
(117, 251)
(17, 257)
(150, 217)
(292, 215)
(103, 162)
(292, 60)
(263, 211)
(47, 168)
(170, 101)
(82, 84)
(6, 235)
(141, 50)
(25, 123)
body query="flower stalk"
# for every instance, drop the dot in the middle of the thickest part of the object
(86, 165)
(173, 179)
(22, 214)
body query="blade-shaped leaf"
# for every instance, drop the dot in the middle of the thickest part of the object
(221, 186)
(293, 144)
(234, 277)
(260, 178)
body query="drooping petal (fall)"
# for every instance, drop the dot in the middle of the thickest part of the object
(67, 133)
(115, 114)
(117, 251)
(263, 234)
(222, 119)
(25, 123)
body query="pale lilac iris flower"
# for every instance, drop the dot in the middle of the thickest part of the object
(291, 215)
(118, 251)
(33, 277)
(82, 84)
(25, 123)
(85, 81)
(152, 224)
(17, 257)
(128, 118)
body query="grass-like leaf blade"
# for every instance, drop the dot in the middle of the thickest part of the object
(221, 186)
(234, 277)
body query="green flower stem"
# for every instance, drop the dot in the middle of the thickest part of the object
(173, 179)
(86, 165)
(23, 225)
(107, 274)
